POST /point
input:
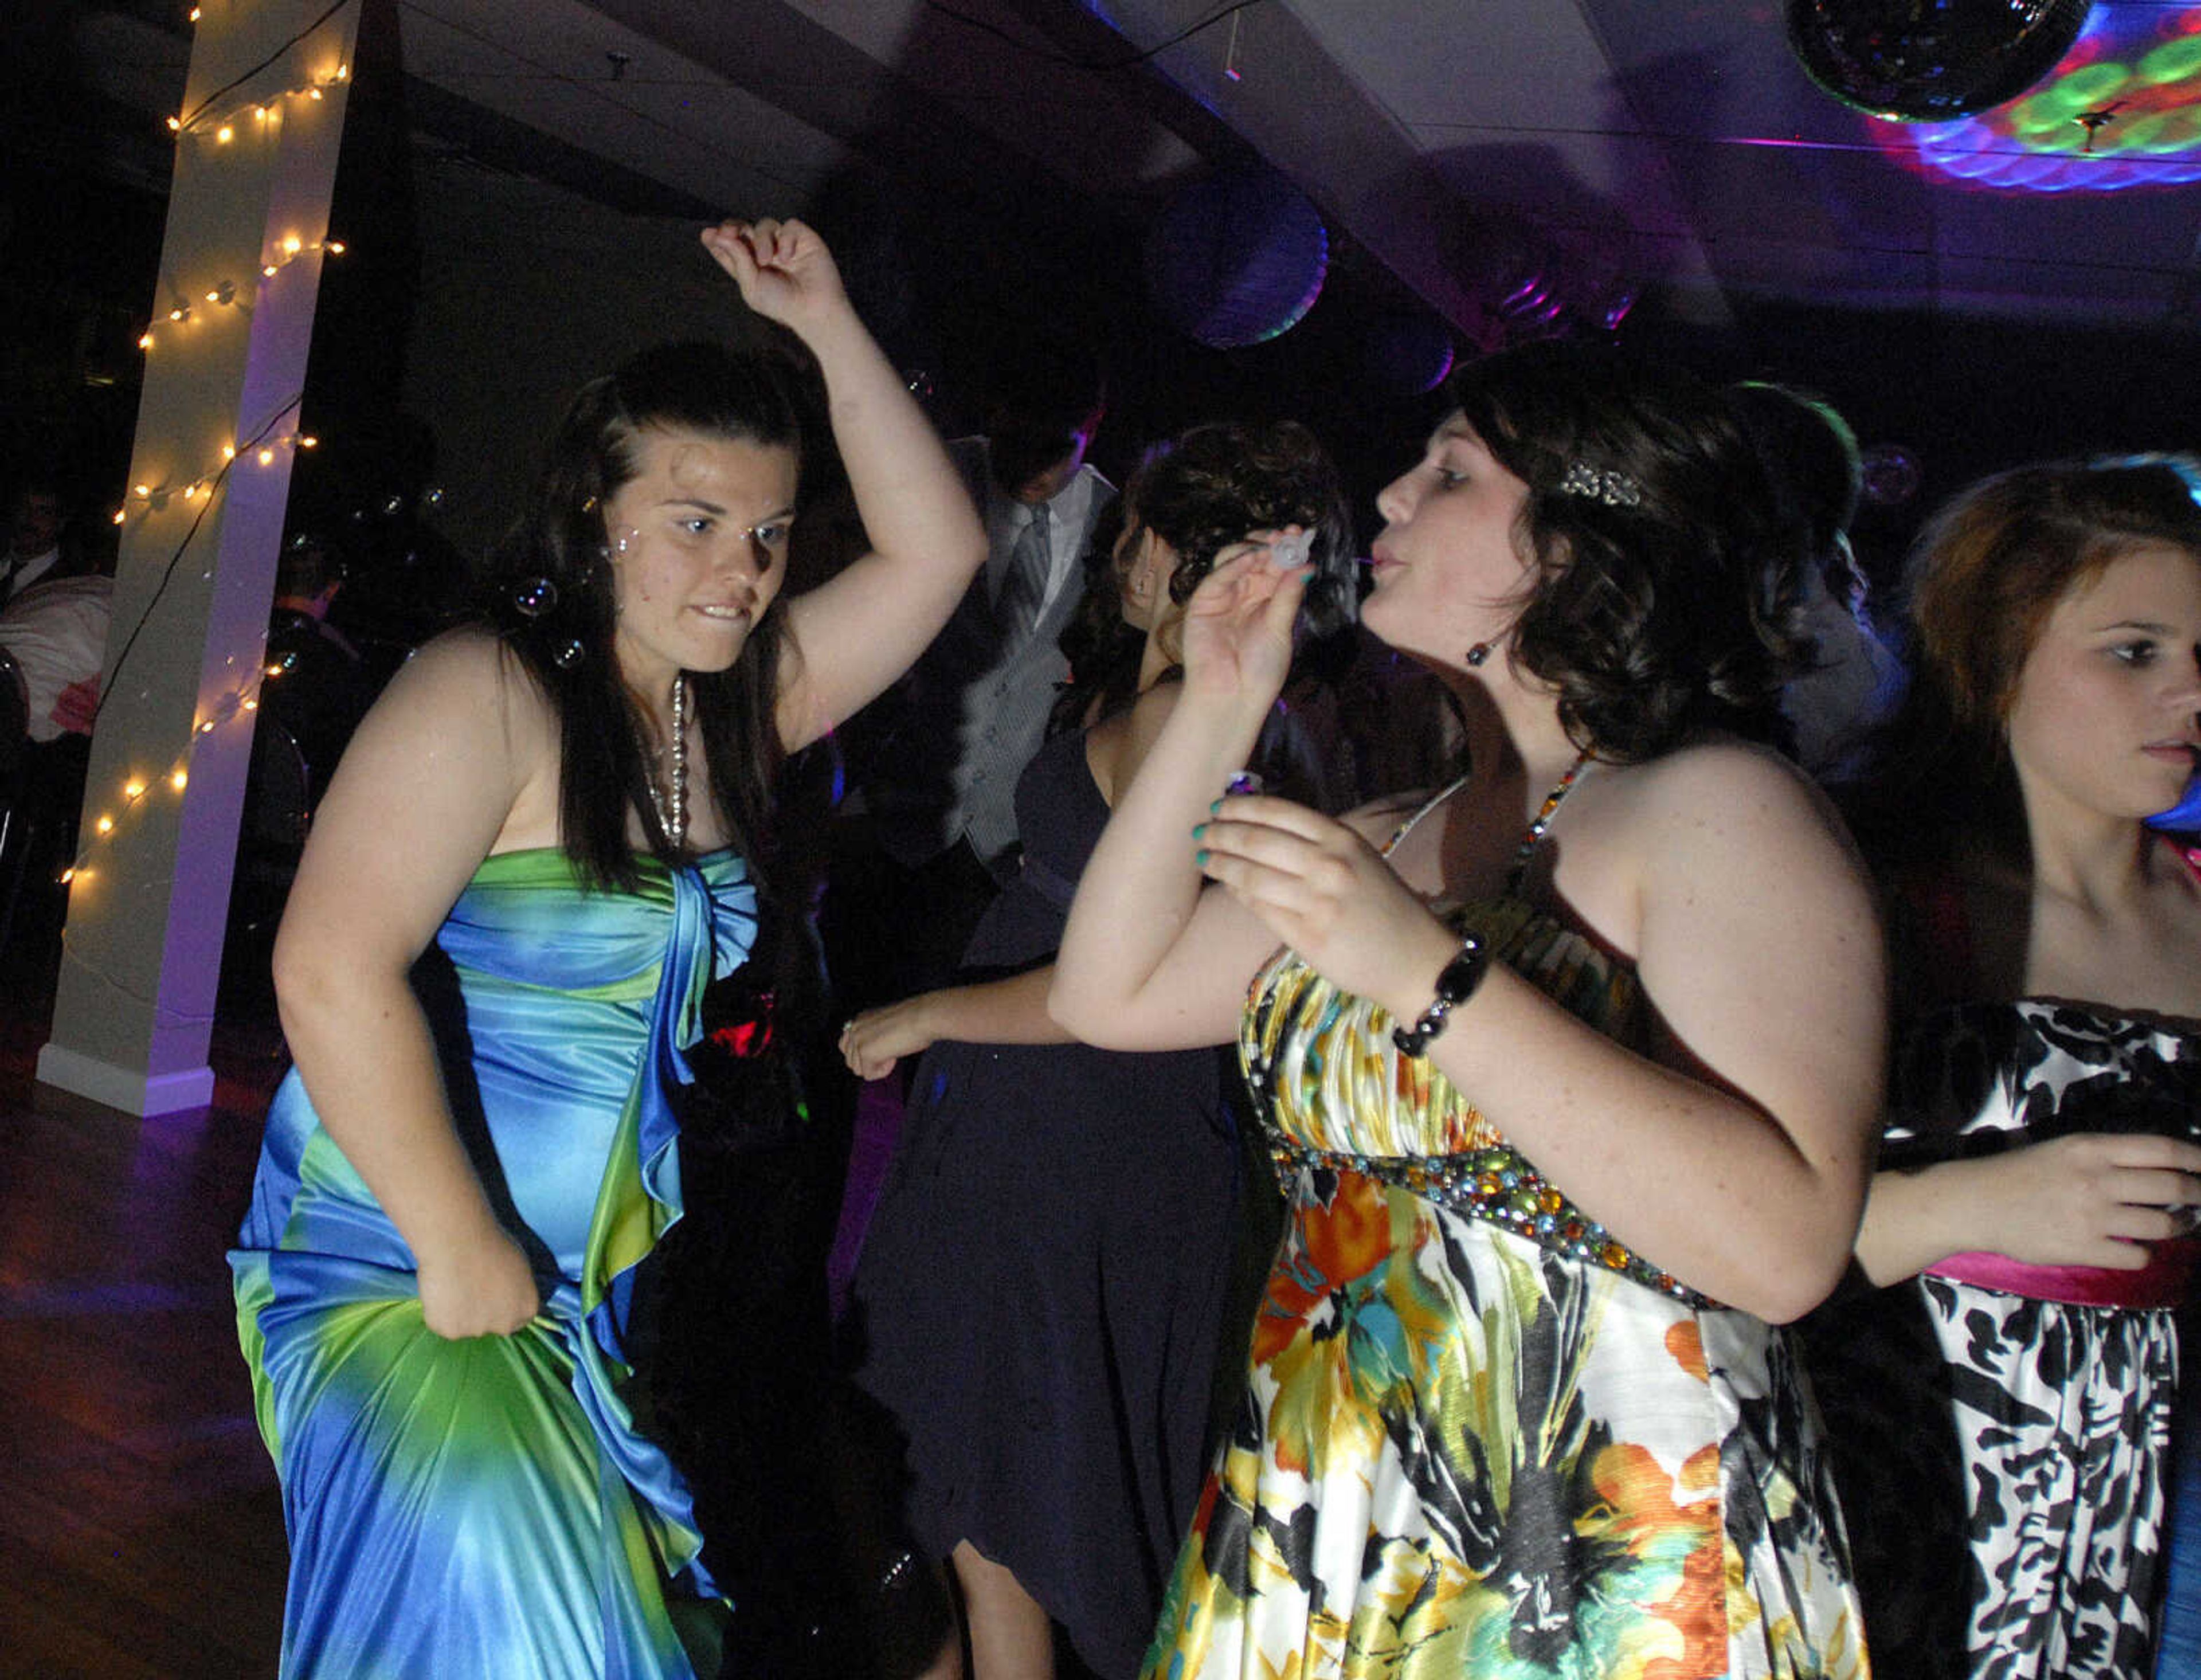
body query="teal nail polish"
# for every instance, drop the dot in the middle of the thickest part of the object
(1199, 828)
(1199, 857)
(1214, 806)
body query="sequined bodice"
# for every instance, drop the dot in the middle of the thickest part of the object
(1337, 1095)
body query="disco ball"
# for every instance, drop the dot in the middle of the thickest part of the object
(1931, 61)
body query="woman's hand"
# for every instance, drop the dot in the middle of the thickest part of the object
(2091, 1199)
(784, 271)
(1327, 893)
(873, 1041)
(483, 1286)
(1238, 624)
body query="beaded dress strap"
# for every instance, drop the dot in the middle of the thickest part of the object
(1414, 817)
(1539, 826)
(1540, 823)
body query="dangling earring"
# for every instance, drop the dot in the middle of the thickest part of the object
(1477, 655)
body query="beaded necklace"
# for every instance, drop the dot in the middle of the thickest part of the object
(671, 808)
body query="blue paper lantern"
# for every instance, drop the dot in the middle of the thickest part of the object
(1236, 258)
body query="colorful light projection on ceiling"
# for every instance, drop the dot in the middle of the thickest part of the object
(2123, 109)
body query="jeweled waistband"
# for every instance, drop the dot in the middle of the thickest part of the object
(1497, 1184)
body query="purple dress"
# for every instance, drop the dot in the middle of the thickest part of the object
(1041, 1292)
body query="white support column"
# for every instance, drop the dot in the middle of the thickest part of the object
(226, 367)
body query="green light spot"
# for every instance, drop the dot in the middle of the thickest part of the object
(2058, 100)
(2177, 130)
(2146, 134)
(2037, 116)
(2083, 88)
(2172, 61)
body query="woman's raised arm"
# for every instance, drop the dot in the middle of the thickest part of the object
(855, 634)
(1150, 961)
(424, 789)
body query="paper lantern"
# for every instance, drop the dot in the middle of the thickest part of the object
(1236, 258)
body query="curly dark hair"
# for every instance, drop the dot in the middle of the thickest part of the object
(1200, 493)
(1657, 617)
(1985, 574)
(562, 635)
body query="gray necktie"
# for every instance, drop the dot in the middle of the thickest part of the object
(1024, 591)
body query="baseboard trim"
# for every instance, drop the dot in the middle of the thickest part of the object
(125, 1089)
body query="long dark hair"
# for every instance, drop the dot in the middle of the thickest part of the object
(1669, 589)
(547, 595)
(1200, 493)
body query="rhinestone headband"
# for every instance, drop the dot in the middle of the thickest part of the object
(1614, 489)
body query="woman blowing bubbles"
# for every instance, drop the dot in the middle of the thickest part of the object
(570, 801)
(1571, 1081)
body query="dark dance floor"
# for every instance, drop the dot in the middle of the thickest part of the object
(141, 1533)
(141, 1529)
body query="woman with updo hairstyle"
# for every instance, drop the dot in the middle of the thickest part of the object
(1044, 1280)
(570, 801)
(2000, 1403)
(1568, 1070)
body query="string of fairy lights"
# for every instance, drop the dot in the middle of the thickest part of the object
(235, 121)
(232, 121)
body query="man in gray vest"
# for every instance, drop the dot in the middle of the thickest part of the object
(937, 759)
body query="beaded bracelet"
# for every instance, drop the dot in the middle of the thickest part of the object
(1456, 983)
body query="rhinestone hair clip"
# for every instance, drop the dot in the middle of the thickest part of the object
(1614, 489)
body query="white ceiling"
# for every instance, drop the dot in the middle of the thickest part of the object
(1672, 145)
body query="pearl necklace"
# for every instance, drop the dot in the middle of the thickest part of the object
(672, 810)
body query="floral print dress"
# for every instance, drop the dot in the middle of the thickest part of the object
(1479, 1436)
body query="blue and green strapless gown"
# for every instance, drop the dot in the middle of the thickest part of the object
(487, 1507)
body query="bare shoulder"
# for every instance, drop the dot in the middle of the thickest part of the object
(469, 663)
(467, 680)
(1720, 786)
(1119, 744)
(1153, 703)
(1725, 829)
(462, 730)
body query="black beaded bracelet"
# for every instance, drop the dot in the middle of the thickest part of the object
(1456, 983)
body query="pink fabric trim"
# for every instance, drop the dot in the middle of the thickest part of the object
(2161, 1283)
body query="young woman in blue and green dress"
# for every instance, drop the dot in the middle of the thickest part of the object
(1572, 1072)
(571, 802)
